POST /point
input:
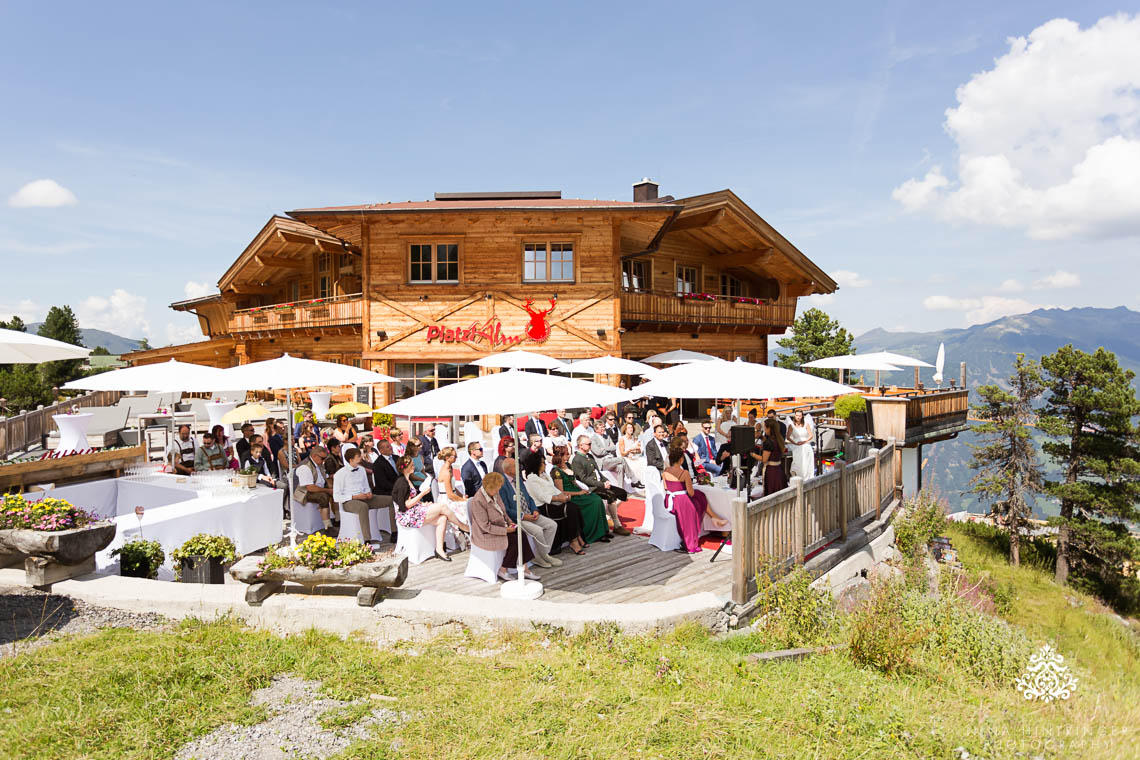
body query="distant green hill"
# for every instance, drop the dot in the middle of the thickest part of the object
(116, 344)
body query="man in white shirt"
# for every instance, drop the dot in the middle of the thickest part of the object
(311, 486)
(183, 451)
(583, 428)
(354, 494)
(474, 469)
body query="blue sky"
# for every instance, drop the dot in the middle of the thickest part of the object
(169, 135)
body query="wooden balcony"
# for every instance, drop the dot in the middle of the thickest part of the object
(656, 311)
(919, 416)
(344, 312)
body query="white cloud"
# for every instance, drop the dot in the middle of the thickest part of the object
(42, 193)
(847, 279)
(818, 300)
(939, 278)
(1059, 279)
(26, 309)
(1048, 139)
(122, 313)
(1011, 286)
(199, 289)
(179, 334)
(980, 310)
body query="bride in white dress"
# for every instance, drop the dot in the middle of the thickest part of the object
(800, 437)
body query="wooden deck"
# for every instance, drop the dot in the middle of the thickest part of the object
(627, 569)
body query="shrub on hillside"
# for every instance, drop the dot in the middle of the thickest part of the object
(924, 518)
(792, 613)
(882, 634)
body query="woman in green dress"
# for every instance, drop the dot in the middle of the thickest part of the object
(590, 505)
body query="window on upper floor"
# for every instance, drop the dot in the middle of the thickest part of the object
(548, 262)
(732, 286)
(346, 264)
(293, 291)
(635, 276)
(686, 279)
(433, 262)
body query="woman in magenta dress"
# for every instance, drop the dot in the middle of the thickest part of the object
(687, 504)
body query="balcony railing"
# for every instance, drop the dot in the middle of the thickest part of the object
(697, 310)
(322, 312)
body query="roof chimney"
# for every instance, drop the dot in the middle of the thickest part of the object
(644, 191)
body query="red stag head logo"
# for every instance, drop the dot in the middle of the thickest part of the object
(538, 330)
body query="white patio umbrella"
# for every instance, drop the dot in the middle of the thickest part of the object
(939, 364)
(512, 392)
(519, 360)
(867, 362)
(22, 348)
(163, 376)
(899, 360)
(289, 373)
(680, 356)
(738, 379)
(610, 365)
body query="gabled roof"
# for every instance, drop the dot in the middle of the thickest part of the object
(280, 232)
(471, 204)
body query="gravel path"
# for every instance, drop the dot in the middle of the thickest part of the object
(30, 618)
(293, 729)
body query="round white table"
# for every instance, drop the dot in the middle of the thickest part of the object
(72, 431)
(217, 410)
(320, 403)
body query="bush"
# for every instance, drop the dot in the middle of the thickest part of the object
(47, 514)
(792, 613)
(204, 545)
(318, 551)
(923, 519)
(882, 635)
(844, 405)
(140, 558)
(382, 420)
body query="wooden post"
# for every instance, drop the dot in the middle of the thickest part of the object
(916, 378)
(897, 475)
(800, 521)
(844, 490)
(962, 375)
(743, 552)
(878, 486)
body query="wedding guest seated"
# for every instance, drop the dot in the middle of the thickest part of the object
(591, 508)
(534, 442)
(448, 494)
(509, 428)
(681, 441)
(586, 471)
(311, 484)
(629, 448)
(210, 455)
(605, 453)
(585, 427)
(412, 512)
(506, 451)
(414, 451)
(241, 445)
(351, 489)
(396, 438)
(539, 528)
(553, 503)
(333, 463)
(307, 438)
(474, 469)
(345, 431)
(223, 440)
(307, 416)
(492, 530)
(687, 504)
(183, 451)
(258, 462)
(657, 448)
(706, 449)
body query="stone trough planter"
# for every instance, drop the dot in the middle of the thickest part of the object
(53, 556)
(371, 577)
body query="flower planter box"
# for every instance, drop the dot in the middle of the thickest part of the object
(198, 569)
(53, 556)
(385, 572)
(245, 481)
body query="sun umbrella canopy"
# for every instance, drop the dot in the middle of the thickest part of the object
(610, 365)
(350, 408)
(680, 356)
(738, 379)
(519, 360)
(245, 413)
(508, 392)
(164, 376)
(940, 363)
(21, 348)
(290, 372)
(854, 361)
(899, 360)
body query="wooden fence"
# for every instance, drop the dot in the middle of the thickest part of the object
(784, 527)
(26, 429)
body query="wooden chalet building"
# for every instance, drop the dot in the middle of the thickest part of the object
(420, 289)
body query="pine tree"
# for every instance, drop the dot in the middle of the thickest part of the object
(1006, 460)
(815, 335)
(61, 325)
(15, 323)
(1088, 416)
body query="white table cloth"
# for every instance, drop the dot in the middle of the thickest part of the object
(217, 410)
(114, 497)
(72, 431)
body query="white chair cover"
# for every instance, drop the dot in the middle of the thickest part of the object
(417, 543)
(652, 482)
(484, 564)
(307, 518)
(349, 526)
(665, 535)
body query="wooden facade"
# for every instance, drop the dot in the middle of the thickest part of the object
(420, 289)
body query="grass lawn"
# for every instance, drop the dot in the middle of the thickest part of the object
(124, 694)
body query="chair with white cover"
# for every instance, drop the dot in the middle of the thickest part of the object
(307, 518)
(417, 543)
(484, 564)
(665, 535)
(349, 526)
(652, 483)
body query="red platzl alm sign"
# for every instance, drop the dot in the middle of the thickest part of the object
(491, 331)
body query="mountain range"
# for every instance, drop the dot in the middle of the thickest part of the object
(116, 344)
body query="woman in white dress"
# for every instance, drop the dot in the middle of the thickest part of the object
(449, 495)
(629, 449)
(801, 435)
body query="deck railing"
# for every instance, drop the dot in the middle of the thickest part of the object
(788, 525)
(28, 428)
(324, 312)
(670, 308)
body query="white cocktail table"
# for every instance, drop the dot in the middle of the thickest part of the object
(72, 431)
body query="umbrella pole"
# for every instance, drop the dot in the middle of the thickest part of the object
(292, 457)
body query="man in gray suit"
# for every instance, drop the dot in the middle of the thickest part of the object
(586, 470)
(605, 454)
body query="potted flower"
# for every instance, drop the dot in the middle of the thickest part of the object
(203, 559)
(321, 560)
(140, 558)
(246, 477)
(853, 408)
(51, 528)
